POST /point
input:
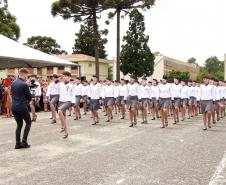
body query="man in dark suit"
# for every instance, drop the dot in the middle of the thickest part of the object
(21, 96)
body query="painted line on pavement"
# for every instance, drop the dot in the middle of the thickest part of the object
(217, 177)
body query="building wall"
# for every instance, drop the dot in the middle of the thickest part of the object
(88, 69)
(44, 72)
(158, 69)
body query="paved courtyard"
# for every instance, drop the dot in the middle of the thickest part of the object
(112, 154)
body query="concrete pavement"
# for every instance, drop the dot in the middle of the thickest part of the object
(112, 153)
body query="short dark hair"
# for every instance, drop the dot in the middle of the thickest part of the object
(55, 76)
(164, 77)
(66, 73)
(23, 70)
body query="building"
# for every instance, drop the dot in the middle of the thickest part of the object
(163, 65)
(87, 65)
(15, 55)
(43, 72)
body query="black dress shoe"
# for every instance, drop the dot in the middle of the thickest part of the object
(18, 146)
(25, 145)
(131, 125)
(53, 122)
(65, 136)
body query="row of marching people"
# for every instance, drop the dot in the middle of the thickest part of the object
(181, 98)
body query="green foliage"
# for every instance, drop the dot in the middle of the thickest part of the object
(202, 73)
(192, 61)
(129, 4)
(80, 10)
(45, 44)
(85, 42)
(213, 68)
(8, 25)
(110, 72)
(117, 8)
(179, 74)
(136, 56)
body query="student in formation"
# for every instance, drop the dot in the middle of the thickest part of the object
(65, 101)
(207, 100)
(85, 90)
(53, 96)
(77, 94)
(184, 99)
(165, 97)
(109, 94)
(123, 93)
(144, 99)
(176, 96)
(94, 97)
(154, 93)
(132, 100)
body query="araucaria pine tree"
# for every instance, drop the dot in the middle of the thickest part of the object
(136, 56)
(85, 41)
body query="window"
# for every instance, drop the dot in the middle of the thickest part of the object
(74, 68)
(90, 65)
(61, 68)
(49, 68)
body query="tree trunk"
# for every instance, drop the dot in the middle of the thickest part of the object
(96, 43)
(118, 47)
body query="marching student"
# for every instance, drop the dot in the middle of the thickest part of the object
(116, 91)
(123, 91)
(207, 98)
(184, 99)
(53, 94)
(94, 95)
(65, 101)
(165, 97)
(144, 98)
(198, 107)
(154, 93)
(132, 100)
(217, 101)
(36, 91)
(109, 94)
(77, 94)
(176, 96)
(85, 90)
(215, 106)
(221, 90)
(192, 102)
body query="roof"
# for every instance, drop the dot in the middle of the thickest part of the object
(14, 54)
(82, 57)
(161, 57)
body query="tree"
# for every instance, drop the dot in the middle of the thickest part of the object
(85, 42)
(45, 44)
(191, 60)
(202, 73)
(125, 6)
(213, 67)
(179, 74)
(8, 25)
(80, 10)
(136, 56)
(110, 71)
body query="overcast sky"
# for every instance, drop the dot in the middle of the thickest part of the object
(177, 28)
